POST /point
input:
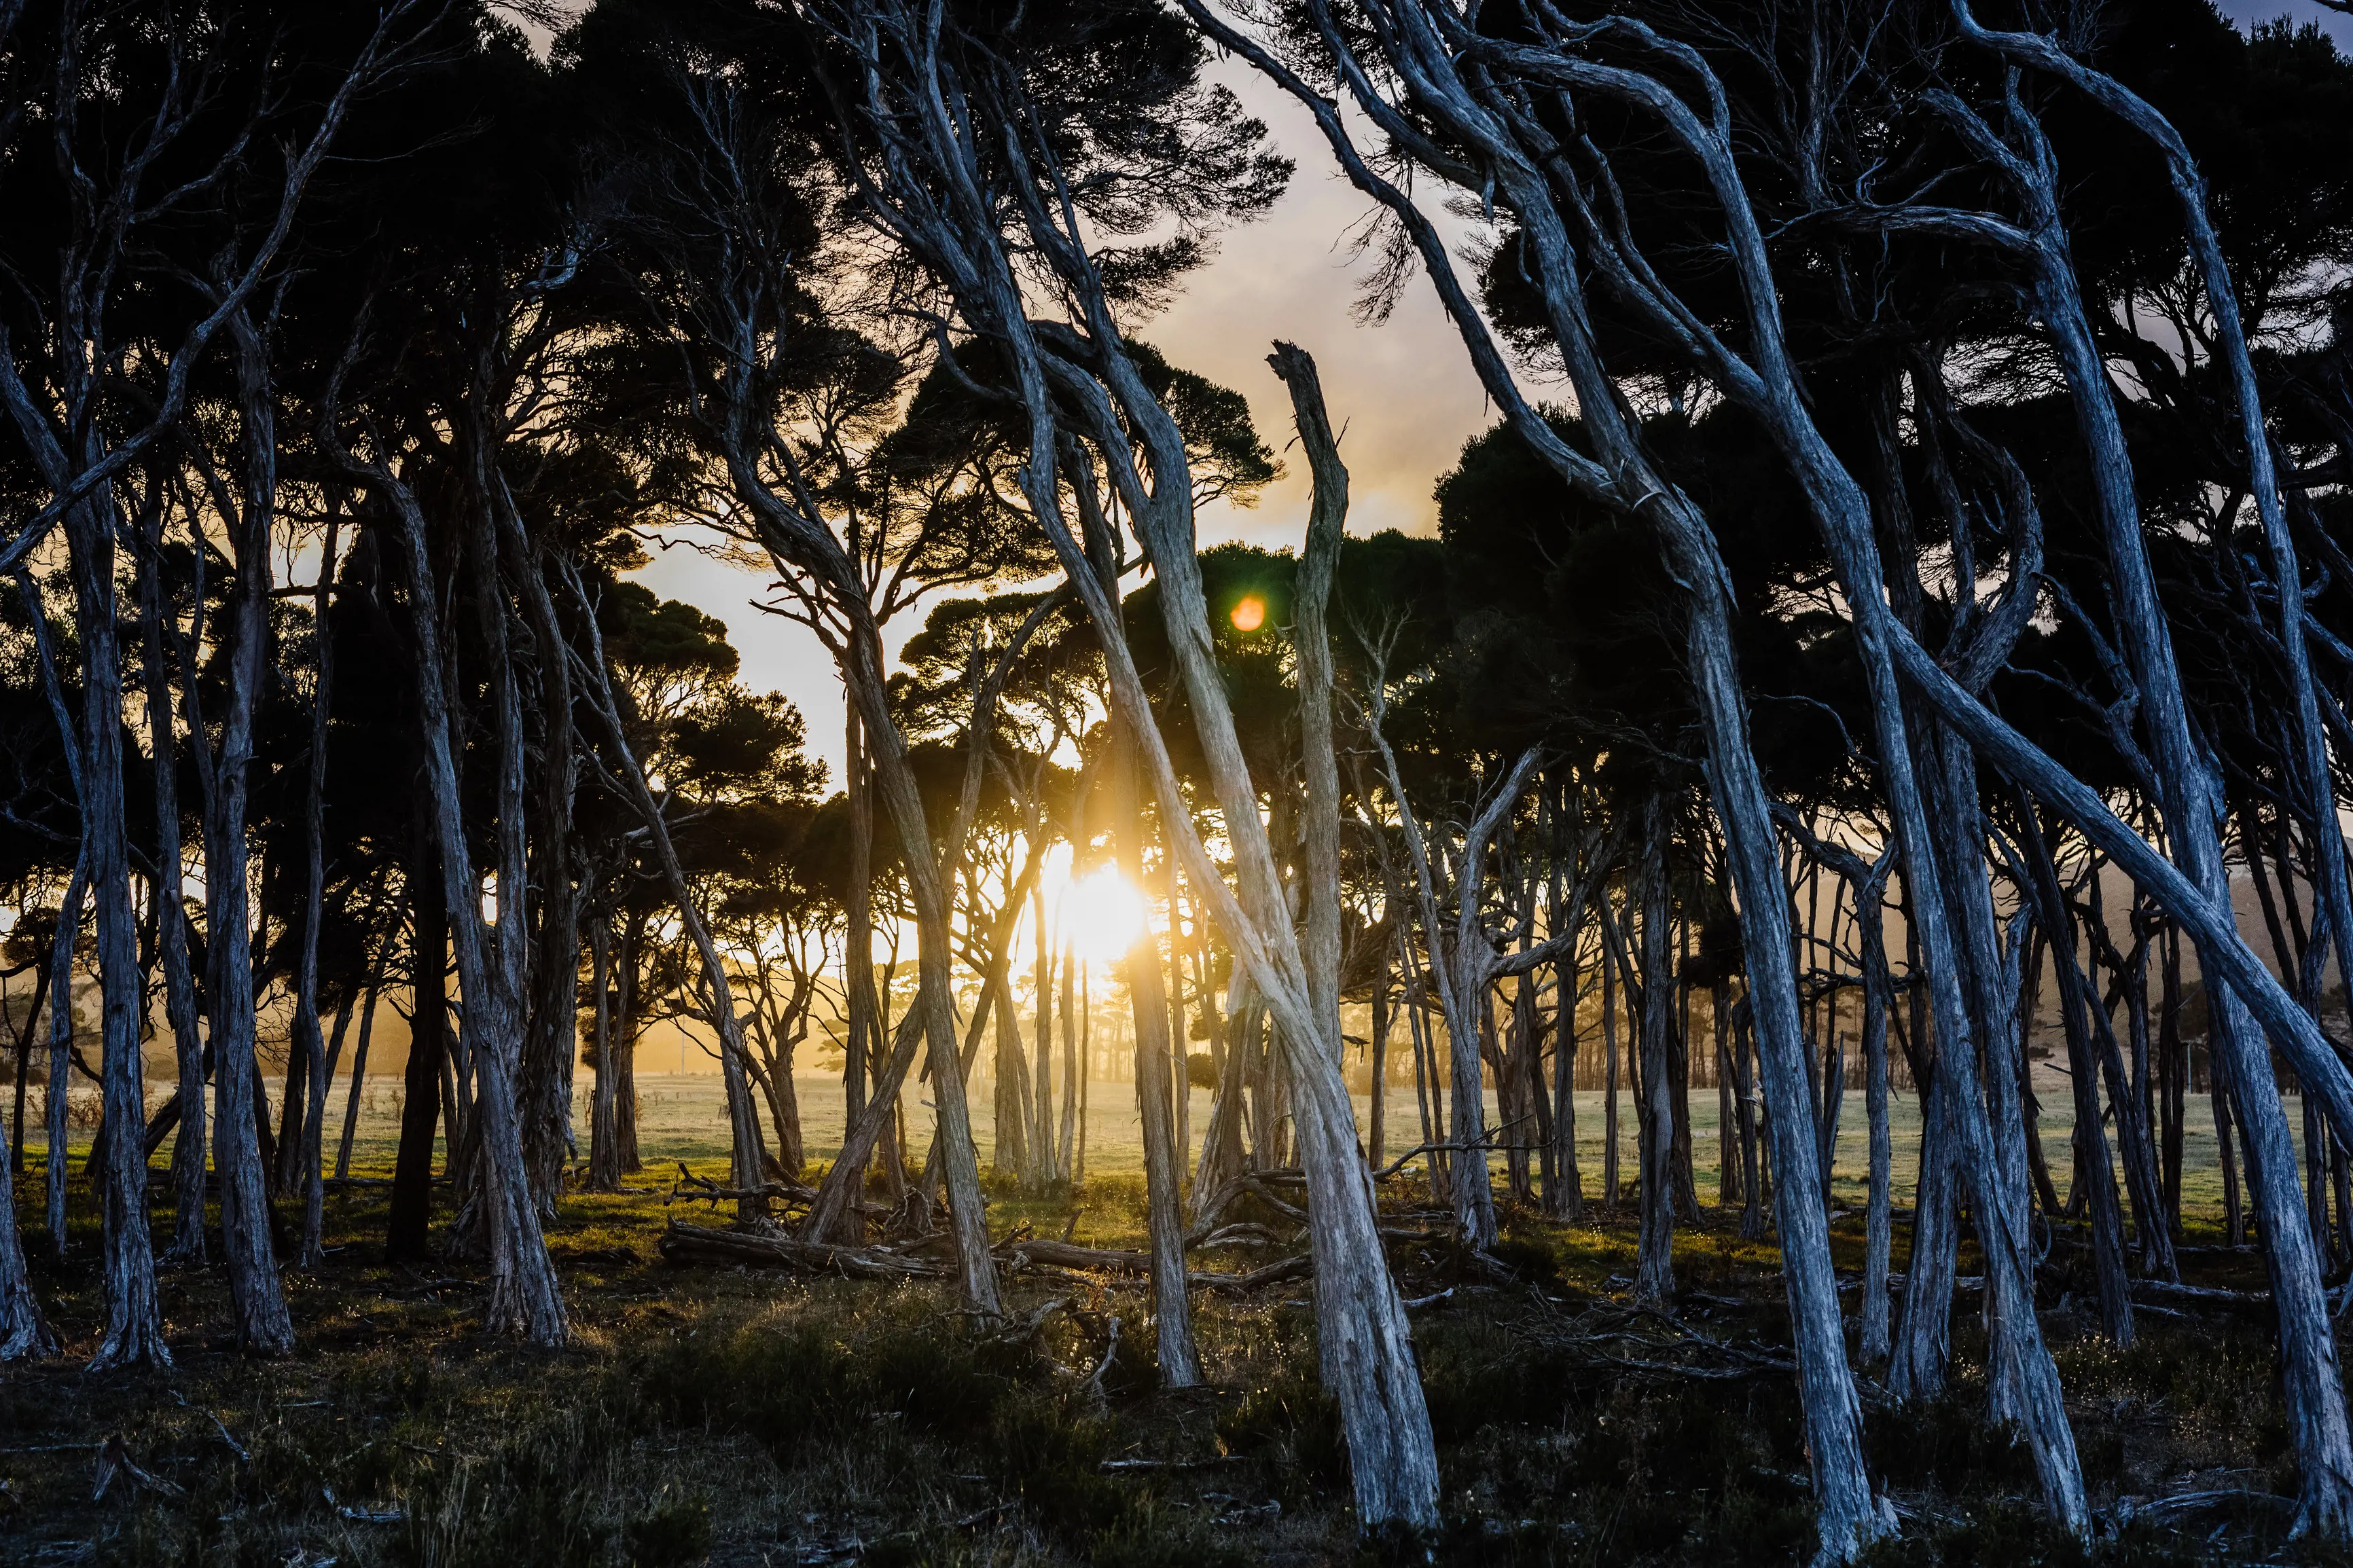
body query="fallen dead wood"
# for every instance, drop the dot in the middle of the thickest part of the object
(1067, 1255)
(1297, 1267)
(1143, 1466)
(703, 1187)
(2199, 1295)
(1060, 1255)
(1248, 1184)
(684, 1243)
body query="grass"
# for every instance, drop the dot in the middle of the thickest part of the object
(682, 1117)
(746, 1418)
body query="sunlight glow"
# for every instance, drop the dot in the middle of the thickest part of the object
(1102, 915)
(1250, 614)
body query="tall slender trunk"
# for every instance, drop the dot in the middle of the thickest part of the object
(24, 1331)
(134, 1316)
(1075, 1078)
(24, 1070)
(1728, 1149)
(1654, 1269)
(743, 1117)
(604, 1155)
(298, 1153)
(260, 1309)
(2090, 1139)
(625, 961)
(1172, 1311)
(360, 1059)
(858, 944)
(1610, 1060)
(551, 1042)
(525, 1297)
(411, 1216)
(56, 1092)
(1568, 1202)
(1878, 1223)
(172, 926)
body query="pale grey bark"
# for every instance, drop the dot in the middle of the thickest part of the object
(307, 1036)
(1364, 1340)
(1172, 1313)
(24, 1332)
(525, 1297)
(169, 892)
(1655, 1268)
(259, 1308)
(1850, 1514)
(55, 1092)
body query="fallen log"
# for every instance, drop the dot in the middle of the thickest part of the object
(1248, 1184)
(1067, 1255)
(684, 1243)
(1109, 1260)
(2199, 1295)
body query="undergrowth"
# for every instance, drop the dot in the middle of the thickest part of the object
(732, 1417)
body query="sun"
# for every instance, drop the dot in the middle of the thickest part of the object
(1102, 914)
(1250, 614)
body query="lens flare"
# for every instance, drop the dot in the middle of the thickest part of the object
(1102, 915)
(1250, 614)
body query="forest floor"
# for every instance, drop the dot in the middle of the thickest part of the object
(752, 1418)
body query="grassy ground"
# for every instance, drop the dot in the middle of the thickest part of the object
(682, 1117)
(748, 1418)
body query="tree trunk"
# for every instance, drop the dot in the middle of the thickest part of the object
(858, 951)
(297, 1148)
(56, 1093)
(551, 1042)
(360, 1060)
(1654, 1269)
(603, 1149)
(2090, 1139)
(134, 1319)
(625, 1044)
(172, 927)
(1172, 1311)
(258, 1308)
(1610, 1059)
(411, 1215)
(1878, 1223)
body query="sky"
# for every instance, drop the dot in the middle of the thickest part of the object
(1402, 391)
